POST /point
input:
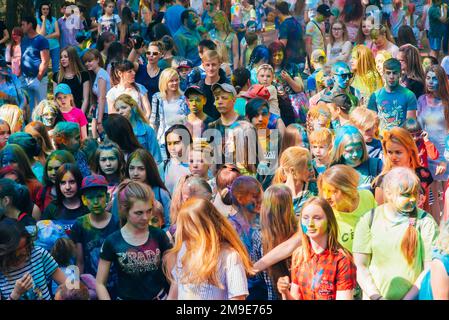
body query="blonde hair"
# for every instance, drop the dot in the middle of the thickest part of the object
(344, 135)
(165, 77)
(320, 109)
(209, 55)
(364, 118)
(278, 223)
(205, 233)
(224, 19)
(398, 181)
(39, 109)
(304, 252)
(128, 192)
(265, 66)
(292, 157)
(341, 177)
(366, 69)
(127, 99)
(321, 136)
(13, 115)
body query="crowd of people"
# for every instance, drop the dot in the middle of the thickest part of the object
(257, 150)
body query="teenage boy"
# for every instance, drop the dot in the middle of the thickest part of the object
(393, 103)
(90, 230)
(211, 62)
(196, 121)
(315, 30)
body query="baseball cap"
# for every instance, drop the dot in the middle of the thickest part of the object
(62, 88)
(193, 89)
(185, 64)
(327, 97)
(257, 91)
(317, 54)
(324, 9)
(94, 181)
(225, 87)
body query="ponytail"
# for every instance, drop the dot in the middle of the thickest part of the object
(279, 176)
(409, 242)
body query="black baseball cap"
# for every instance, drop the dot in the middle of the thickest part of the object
(324, 9)
(194, 89)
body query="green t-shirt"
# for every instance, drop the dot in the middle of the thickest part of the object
(348, 220)
(391, 273)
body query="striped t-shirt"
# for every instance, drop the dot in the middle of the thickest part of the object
(41, 266)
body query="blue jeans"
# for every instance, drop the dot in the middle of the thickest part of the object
(35, 89)
(54, 55)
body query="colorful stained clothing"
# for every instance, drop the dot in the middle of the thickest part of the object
(392, 107)
(430, 114)
(310, 190)
(425, 292)
(325, 274)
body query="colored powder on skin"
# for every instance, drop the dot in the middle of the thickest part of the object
(304, 228)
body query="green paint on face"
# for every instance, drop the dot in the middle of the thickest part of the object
(353, 153)
(96, 200)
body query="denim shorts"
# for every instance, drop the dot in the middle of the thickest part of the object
(435, 43)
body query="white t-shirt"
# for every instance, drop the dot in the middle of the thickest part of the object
(118, 90)
(173, 113)
(231, 274)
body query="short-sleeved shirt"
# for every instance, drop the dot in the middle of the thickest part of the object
(313, 31)
(186, 41)
(109, 24)
(392, 274)
(31, 54)
(91, 239)
(291, 30)
(41, 266)
(436, 26)
(140, 275)
(231, 274)
(63, 216)
(76, 85)
(75, 115)
(348, 220)
(392, 107)
(102, 74)
(324, 275)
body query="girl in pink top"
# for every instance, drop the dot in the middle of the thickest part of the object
(13, 52)
(64, 100)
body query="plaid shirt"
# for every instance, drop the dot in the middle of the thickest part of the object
(324, 275)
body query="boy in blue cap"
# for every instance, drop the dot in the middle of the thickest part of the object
(90, 230)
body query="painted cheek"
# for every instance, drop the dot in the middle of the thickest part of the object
(304, 228)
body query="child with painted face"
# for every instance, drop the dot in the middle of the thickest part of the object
(109, 162)
(350, 149)
(196, 121)
(247, 195)
(198, 160)
(321, 268)
(341, 106)
(393, 103)
(90, 231)
(278, 223)
(48, 193)
(394, 241)
(367, 122)
(400, 151)
(342, 75)
(177, 139)
(66, 136)
(296, 171)
(64, 100)
(433, 116)
(318, 117)
(211, 265)
(339, 186)
(67, 206)
(126, 106)
(48, 113)
(321, 145)
(136, 238)
(265, 77)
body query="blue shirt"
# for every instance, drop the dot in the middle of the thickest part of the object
(187, 43)
(150, 84)
(291, 30)
(173, 17)
(31, 54)
(425, 293)
(392, 107)
(147, 138)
